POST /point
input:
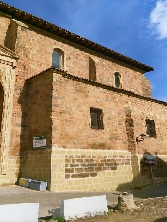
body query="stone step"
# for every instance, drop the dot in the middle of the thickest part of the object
(4, 179)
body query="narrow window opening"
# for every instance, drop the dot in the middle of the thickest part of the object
(56, 60)
(96, 116)
(150, 128)
(117, 78)
(1, 104)
(92, 69)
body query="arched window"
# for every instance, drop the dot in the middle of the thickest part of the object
(56, 59)
(1, 103)
(117, 79)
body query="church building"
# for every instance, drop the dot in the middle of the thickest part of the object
(74, 113)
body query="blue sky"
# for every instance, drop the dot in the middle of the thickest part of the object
(134, 28)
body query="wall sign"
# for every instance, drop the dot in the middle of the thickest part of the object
(39, 142)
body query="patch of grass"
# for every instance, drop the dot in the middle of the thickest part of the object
(60, 219)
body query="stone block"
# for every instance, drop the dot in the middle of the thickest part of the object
(23, 212)
(81, 207)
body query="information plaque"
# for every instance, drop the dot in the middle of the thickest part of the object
(39, 142)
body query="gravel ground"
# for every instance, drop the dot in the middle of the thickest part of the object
(151, 210)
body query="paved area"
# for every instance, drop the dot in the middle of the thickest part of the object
(49, 200)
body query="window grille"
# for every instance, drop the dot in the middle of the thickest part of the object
(96, 116)
(150, 128)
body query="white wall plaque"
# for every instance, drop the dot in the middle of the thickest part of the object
(39, 142)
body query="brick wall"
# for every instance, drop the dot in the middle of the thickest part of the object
(35, 57)
(36, 107)
(71, 106)
(87, 153)
(146, 87)
(36, 165)
(4, 23)
(35, 47)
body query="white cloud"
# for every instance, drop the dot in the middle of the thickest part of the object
(158, 19)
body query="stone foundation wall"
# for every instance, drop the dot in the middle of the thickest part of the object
(82, 166)
(13, 169)
(91, 170)
(84, 170)
(36, 165)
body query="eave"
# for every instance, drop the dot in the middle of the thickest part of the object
(56, 30)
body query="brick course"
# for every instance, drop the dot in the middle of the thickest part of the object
(89, 166)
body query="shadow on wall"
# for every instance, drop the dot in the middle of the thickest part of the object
(36, 106)
(11, 36)
(147, 173)
(1, 103)
(142, 175)
(159, 169)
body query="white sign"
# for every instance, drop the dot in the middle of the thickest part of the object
(39, 142)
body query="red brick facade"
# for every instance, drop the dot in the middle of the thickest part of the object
(57, 102)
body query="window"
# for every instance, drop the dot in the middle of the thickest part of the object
(1, 103)
(117, 78)
(150, 128)
(92, 69)
(58, 59)
(96, 116)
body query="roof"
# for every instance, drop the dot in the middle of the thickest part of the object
(97, 84)
(56, 30)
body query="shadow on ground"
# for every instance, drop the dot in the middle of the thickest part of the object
(161, 220)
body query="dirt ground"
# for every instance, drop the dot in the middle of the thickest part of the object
(151, 210)
(152, 201)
